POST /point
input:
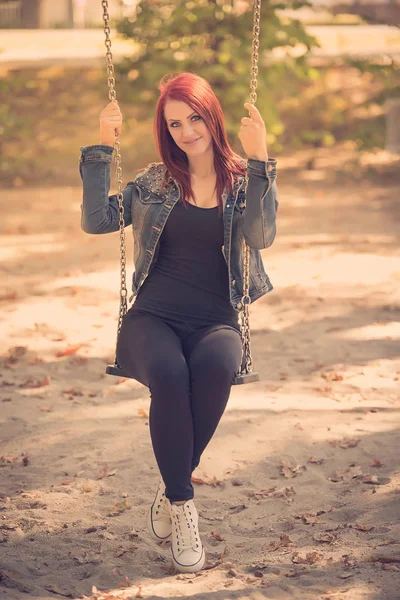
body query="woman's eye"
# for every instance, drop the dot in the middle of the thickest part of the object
(196, 117)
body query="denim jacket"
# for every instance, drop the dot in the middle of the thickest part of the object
(247, 215)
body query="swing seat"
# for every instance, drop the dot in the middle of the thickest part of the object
(246, 378)
(239, 379)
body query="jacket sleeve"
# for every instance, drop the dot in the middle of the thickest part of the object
(99, 211)
(259, 218)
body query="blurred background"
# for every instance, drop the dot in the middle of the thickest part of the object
(328, 78)
(75, 443)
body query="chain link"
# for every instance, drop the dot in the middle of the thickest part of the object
(123, 305)
(247, 367)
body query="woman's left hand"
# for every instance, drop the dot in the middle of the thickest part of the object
(253, 134)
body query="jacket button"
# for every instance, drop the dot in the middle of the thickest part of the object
(239, 305)
(270, 168)
(233, 281)
(228, 206)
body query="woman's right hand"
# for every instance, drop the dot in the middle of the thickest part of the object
(110, 120)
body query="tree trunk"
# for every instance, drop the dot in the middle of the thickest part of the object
(70, 17)
(393, 125)
(30, 14)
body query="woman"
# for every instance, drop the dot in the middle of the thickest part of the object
(190, 214)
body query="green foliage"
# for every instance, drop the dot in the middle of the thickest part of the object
(14, 128)
(343, 102)
(209, 38)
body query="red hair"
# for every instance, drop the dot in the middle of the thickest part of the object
(198, 94)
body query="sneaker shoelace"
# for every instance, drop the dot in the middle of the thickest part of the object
(186, 530)
(162, 508)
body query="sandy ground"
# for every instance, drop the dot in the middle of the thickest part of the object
(300, 493)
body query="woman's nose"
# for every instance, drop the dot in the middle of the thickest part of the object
(187, 131)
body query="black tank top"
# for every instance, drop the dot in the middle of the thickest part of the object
(189, 282)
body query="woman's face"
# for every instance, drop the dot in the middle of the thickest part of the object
(187, 128)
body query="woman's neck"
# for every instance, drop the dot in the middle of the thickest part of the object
(202, 167)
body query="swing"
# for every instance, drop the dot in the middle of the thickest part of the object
(245, 373)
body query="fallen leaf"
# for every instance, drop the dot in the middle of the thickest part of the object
(283, 542)
(79, 360)
(8, 459)
(309, 518)
(121, 550)
(289, 469)
(15, 353)
(119, 508)
(103, 472)
(261, 493)
(310, 558)
(238, 508)
(56, 589)
(292, 573)
(7, 383)
(352, 472)
(375, 480)
(213, 482)
(87, 487)
(324, 390)
(70, 350)
(284, 493)
(8, 296)
(73, 392)
(32, 382)
(332, 376)
(349, 560)
(325, 537)
(35, 360)
(363, 527)
(217, 536)
(316, 461)
(351, 443)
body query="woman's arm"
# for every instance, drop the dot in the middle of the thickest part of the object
(100, 212)
(261, 203)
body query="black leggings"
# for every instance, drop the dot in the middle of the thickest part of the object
(189, 376)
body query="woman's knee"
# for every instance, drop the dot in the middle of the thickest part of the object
(219, 353)
(169, 372)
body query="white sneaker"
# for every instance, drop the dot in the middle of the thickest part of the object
(158, 517)
(187, 550)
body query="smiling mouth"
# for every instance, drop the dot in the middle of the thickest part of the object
(191, 143)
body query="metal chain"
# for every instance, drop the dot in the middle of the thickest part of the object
(244, 315)
(245, 324)
(123, 306)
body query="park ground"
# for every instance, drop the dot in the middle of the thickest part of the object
(298, 491)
